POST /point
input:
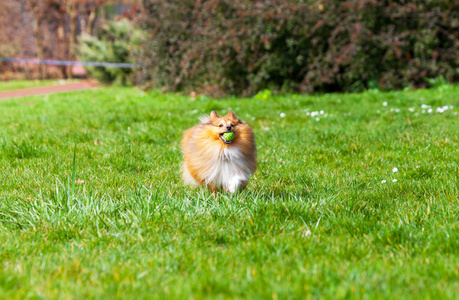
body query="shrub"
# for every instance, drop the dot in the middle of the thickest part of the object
(243, 46)
(113, 43)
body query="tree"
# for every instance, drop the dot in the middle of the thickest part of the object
(49, 29)
(37, 8)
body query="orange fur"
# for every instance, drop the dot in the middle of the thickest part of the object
(208, 160)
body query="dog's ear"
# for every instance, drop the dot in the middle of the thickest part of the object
(231, 114)
(213, 114)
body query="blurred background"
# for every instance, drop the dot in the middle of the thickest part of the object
(237, 47)
(57, 30)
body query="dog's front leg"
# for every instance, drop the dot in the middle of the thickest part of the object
(237, 183)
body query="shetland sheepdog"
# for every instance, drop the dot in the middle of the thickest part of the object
(214, 161)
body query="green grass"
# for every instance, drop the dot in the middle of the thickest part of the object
(92, 205)
(23, 84)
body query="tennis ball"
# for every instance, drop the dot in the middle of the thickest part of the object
(228, 136)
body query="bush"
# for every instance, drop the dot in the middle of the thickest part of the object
(113, 43)
(243, 46)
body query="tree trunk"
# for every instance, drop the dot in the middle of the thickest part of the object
(61, 49)
(39, 42)
(27, 71)
(91, 20)
(72, 10)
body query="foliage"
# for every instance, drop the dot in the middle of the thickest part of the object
(316, 221)
(113, 43)
(242, 46)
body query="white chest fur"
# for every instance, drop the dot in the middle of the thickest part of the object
(229, 170)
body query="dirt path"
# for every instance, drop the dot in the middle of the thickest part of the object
(48, 90)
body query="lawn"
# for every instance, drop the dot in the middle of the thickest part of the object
(23, 84)
(355, 196)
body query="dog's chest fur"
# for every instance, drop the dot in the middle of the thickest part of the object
(229, 169)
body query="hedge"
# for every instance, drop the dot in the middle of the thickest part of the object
(241, 46)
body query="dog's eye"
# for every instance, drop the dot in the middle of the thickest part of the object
(221, 125)
(232, 125)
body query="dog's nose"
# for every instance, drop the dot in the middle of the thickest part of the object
(228, 127)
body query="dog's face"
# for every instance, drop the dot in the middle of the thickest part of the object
(221, 125)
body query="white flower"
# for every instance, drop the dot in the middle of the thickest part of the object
(411, 109)
(306, 233)
(314, 113)
(384, 103)
(397, 110)
(322, 112)
(308, 113)
(282, 115)
(394, 170)
(446, 107)
(429, 110)
(439, 110)
(317, 119)
(423, 111)
(425, 106)
(394, 180)
(383, 181)
(417, 167)
(451, 107)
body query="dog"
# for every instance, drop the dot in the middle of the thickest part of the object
(213, 159)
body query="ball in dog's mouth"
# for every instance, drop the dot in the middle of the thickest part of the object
(227, 137)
